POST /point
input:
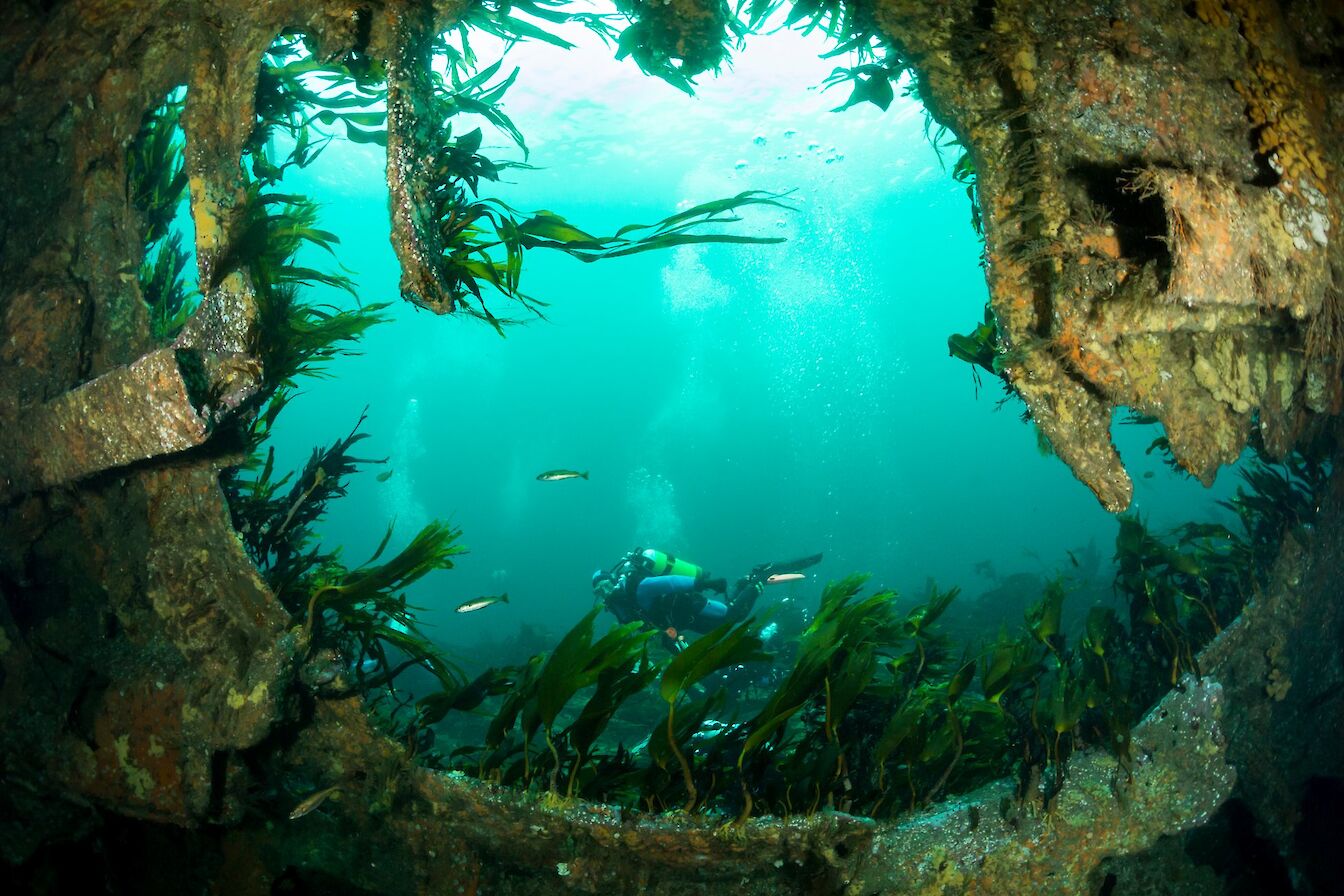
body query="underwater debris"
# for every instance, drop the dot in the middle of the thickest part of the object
(147, 409)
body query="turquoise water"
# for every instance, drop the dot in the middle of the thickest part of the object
(733, 404)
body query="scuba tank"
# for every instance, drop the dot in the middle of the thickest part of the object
(658, 563)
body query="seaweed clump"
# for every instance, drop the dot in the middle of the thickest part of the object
(459, 247)
(156, 184)
(675, 40)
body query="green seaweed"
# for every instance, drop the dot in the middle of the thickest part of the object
(627, 676)
(268, 232)
(363, 612)
(980, 347)
(871, 83)
(296, 92)
(964, 172)
(851, 26)
(479, 242)
(276, 524)
(156, 183)
(499, 18)
(293, 337)
(728, 645)
(156, 179)
(668, 44)
(534, 697)
(577, 663)
(164, 287)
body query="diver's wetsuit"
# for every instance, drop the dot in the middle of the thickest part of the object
(675, 601)
(680, 602)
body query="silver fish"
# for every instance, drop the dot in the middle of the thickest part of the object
(557, 475)
(313, 801)
(478, 603)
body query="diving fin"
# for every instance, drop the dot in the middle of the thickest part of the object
(768, 569)
(750, 586)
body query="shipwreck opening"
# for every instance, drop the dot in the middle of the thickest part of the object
(1316, 836)
(1239, 853)
(815, 342)
(742, 399)
(1119, 198)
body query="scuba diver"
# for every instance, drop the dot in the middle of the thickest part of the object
(673, 595)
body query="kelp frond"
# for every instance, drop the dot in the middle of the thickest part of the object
(156, 183)
(269, 231)
(156, 180)
(276, 524)
(163, 278)
(298, 339)
(299, 95)
(364, 613)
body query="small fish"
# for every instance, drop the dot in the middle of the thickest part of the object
(557, 475)
(313, 801)
(784, 577)
(477, 603)
(383, 477)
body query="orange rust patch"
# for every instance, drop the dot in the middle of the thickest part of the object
(1102, 242)
(1089, 364)
(138, 750)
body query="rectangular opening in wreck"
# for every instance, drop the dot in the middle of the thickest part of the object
(824, 355)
